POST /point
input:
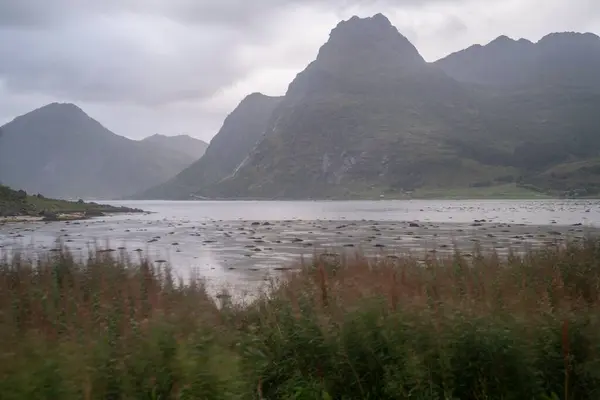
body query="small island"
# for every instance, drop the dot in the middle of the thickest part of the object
(18, 205)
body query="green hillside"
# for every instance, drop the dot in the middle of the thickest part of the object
(17, 203)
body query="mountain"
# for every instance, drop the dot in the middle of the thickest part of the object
(558, 59)
(240, 132)
(369, 117)
(60, 151)
(184, 144)
(547, 92)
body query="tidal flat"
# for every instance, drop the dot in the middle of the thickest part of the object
(240, 242)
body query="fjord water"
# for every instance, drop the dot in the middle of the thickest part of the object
(236, 242)
(532, 212)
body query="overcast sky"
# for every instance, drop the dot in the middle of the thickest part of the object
(180, 66)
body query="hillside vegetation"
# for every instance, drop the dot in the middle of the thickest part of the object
(467, 328)
(17, 203)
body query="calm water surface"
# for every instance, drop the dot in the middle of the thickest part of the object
(534, 212)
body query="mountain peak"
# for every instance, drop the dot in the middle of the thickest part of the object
(66, 107)
(63, 113)
(254, 96)
(504, 40)
(367, 44)
(571, 38)
(253, 100)
(376, 27)
(378, 19)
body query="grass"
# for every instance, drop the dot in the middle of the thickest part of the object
(479, 327)
(15, 203)
(507, 191)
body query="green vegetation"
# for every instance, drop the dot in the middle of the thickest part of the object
(16, 203)
(464, 327)
(573, 179)
(506, 191)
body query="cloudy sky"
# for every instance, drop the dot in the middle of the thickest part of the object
(180, 66)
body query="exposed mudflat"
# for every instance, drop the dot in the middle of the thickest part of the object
(230, 251)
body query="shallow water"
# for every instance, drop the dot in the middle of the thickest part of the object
(239, 242)
(512, 211)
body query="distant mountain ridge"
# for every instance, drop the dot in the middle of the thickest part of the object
(184, 144)
(241, 131)
(566, 58)
(60, 151)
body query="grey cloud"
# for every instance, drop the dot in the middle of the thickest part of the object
(138, 51)
(153, 62)
(44, 12)
(123, 52)
(143, 61)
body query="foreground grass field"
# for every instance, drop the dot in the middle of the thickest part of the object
(477, 327)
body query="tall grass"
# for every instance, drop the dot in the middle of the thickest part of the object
(479, 327)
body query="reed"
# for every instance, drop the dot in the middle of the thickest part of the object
(338, 327)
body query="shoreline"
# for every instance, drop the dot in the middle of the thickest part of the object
(63, 216)
(249, 249)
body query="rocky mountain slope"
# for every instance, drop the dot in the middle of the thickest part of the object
(60, 151)
(369, 118)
